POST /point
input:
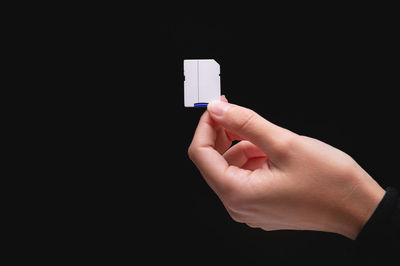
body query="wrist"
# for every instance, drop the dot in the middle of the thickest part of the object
(360, 204)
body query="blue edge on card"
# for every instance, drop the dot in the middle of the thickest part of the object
(200, 104)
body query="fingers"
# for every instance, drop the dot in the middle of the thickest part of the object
(223, 139)
(242, 153)
(249, 125)
(203, 153)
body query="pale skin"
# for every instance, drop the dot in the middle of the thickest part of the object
(275, 179)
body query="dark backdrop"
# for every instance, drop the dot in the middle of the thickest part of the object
(131, 190)
(331, 79)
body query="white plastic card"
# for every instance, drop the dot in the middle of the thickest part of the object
(202, 82)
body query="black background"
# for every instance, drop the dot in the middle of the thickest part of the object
(120, 185)
(332, 79)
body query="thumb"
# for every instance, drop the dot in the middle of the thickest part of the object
(247, 124)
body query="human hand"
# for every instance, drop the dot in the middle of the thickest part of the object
(276, 179)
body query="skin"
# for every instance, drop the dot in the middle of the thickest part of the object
(275, 179)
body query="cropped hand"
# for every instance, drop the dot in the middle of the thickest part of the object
(276, 179)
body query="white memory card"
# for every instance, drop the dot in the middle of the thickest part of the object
(202, 82)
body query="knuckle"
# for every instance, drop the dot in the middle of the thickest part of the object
(192, 152)
(285, 145)
(237, 217)
(252, 225)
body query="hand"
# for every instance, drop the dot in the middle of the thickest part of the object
(275, 179)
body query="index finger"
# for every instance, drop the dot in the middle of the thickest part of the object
(202, 152)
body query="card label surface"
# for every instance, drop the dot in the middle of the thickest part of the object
(202, 82)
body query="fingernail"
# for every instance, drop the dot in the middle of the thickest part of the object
(217, 108)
